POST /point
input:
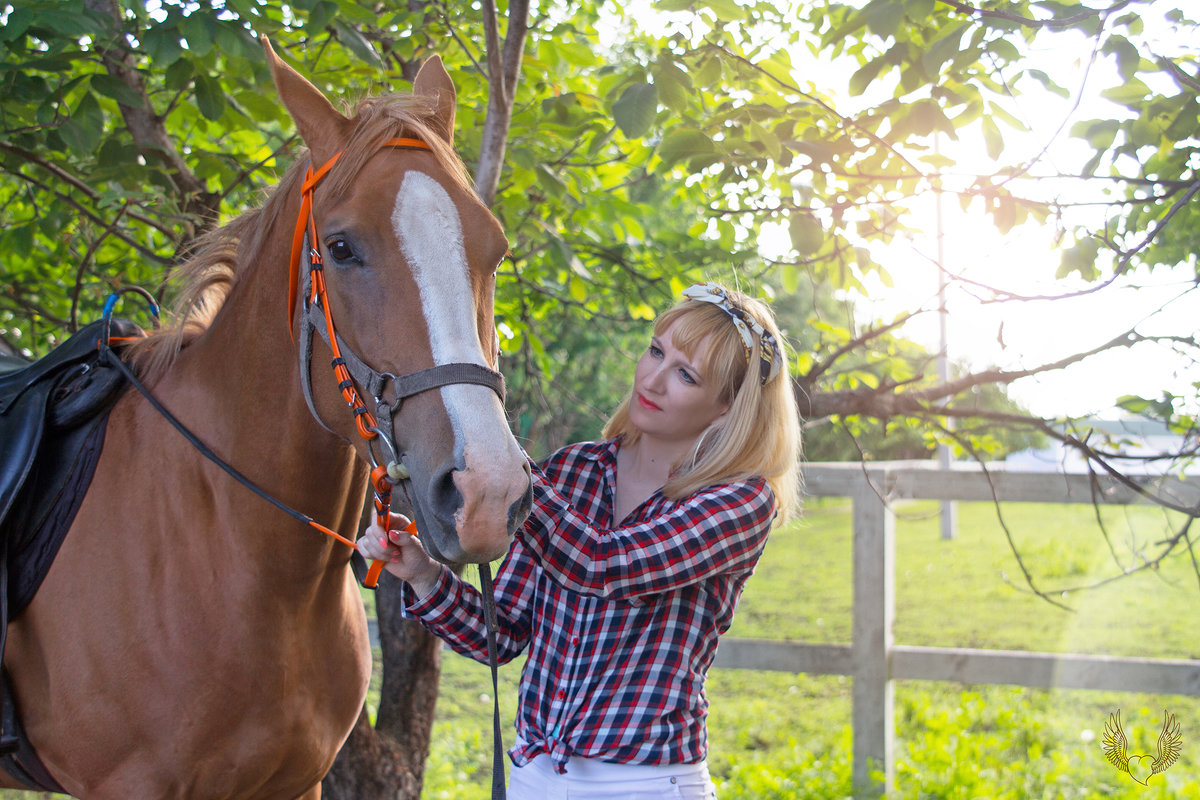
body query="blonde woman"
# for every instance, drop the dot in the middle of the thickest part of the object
(632, 560)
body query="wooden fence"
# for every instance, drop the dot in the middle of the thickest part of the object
(875, 661)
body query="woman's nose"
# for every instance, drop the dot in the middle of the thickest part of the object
(654, 378)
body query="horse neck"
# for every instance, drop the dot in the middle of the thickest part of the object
(242, 379)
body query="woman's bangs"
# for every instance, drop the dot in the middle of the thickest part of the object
(695, 323)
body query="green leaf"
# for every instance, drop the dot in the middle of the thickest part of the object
(768, 140)
(865, 75)
(83, 130)
(319, 16)
(1099, 133)
(19, 20)
(161, 44)
(992, 138)
(1131, 94)
(943, 50)
(883, 17)
(709, 72)
(778, 66)
(1005, 213)
(726, 10)
(681, 144)
(635, 110)
(357, 43)
(199, 29)
(179, 74)
(1080, 258)
(999, 111)
(550, 180)
(806, 232)
(116, 89)
(674, 85)
(1126, 54)
(210, 98)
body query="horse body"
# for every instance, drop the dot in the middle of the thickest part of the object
(192, 641)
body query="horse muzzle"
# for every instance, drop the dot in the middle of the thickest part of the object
(468, 514)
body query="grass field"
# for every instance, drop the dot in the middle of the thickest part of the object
(776, 735)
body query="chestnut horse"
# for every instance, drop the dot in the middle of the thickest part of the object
(190, 640)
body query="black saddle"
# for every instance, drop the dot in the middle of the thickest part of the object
(53, 414)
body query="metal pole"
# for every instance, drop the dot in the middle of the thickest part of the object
(949, 509)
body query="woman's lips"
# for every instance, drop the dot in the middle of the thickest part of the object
(646, 403)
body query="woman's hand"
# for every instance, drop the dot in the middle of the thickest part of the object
(402, 554)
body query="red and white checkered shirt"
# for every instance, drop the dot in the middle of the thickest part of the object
(620, 620)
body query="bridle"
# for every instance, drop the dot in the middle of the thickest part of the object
(349, 369)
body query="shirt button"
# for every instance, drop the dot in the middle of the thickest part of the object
(575, 641)
(561, 694)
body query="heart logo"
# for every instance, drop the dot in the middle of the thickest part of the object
(1141, 767)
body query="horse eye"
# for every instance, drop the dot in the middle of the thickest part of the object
(341, 251)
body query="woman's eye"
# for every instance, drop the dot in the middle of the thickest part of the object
(340, 250)
(655, 351)
(686, 376)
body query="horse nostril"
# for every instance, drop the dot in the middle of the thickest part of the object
(447, 499)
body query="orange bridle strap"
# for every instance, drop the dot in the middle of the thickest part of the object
(364, 420)
(306, 223)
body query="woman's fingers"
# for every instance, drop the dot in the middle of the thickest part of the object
(375, 547)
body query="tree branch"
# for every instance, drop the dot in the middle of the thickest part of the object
(1008, 16)
(504, 70)
(147, 128)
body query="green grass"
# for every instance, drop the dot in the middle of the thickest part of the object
(776, 735)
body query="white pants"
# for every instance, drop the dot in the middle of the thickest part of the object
(589, 779)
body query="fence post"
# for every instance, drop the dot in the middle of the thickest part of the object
(874, 609)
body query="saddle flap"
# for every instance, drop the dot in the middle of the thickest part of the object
(22, 429)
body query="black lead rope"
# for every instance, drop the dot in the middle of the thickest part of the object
(489, 614)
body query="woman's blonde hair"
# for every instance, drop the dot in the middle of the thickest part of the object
(759, 435)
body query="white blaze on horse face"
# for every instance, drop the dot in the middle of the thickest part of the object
(430, 232)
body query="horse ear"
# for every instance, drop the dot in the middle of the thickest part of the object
(321, 126)
(434, 82)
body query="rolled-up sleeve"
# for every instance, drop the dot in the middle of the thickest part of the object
(453, 609)
(719, 530)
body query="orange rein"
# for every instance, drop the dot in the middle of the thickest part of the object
(364, 420)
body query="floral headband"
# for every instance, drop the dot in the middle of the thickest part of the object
(770, 357)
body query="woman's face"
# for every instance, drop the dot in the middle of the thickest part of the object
(671, 399)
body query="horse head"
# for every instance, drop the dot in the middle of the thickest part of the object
(408, 257)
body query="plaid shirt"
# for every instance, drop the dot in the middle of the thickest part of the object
(620, 623)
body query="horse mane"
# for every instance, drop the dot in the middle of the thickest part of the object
(217, 258)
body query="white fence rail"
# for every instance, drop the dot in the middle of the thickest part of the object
(875, 661)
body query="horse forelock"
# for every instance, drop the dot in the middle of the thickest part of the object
(379, 119)
(218, 257)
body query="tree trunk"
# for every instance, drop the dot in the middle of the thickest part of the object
(387, 762)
